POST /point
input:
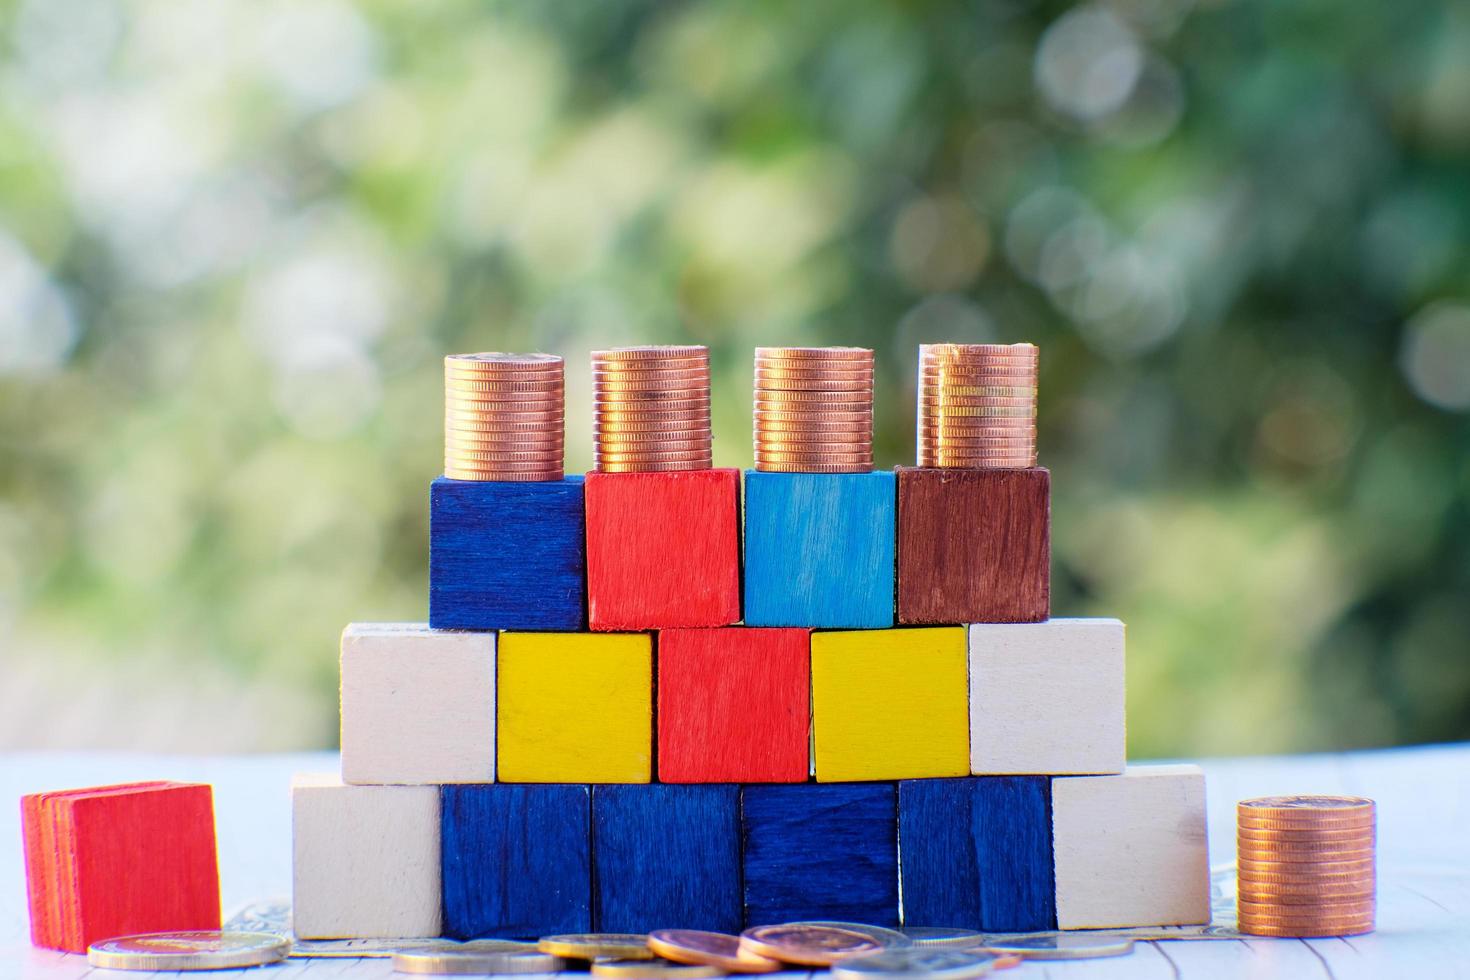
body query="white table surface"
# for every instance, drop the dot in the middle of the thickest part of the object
(1423, 799)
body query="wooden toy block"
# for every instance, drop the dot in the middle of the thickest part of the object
(819, 549)
(507, 556)
(1047, 697)
(575, 708)
(820, 852)
(663, 549)
(1131, 849)
(734, 705)
(115, 860)
(418, 704)
(667, 854)
(974, 546)
(517, 860)
(976, 853)
(365, 860)
(890, 704)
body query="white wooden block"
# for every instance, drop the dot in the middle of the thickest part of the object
(365, 859)
(1131, 850)
(1047, 698)
(418, 705)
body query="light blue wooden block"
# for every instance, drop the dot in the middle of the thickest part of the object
(819, 549)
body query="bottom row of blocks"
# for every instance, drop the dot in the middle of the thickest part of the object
(999, 854)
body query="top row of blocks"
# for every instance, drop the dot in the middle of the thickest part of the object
(645, 551)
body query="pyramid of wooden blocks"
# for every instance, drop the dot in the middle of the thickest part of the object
(119, 860)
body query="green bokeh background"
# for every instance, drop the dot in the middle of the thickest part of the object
(237, 236)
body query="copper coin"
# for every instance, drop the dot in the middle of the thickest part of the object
(815, 425)
(646, 467)
(1349, 909)
(1302, 874)
(1305, 895)
(502, 358)
(652, 433)
(1273, 865)
(647, 450)
(653, 412)
(504, 445)
(813, 372)
(1322, 931)
(790, 415)
(789, 395)
(654, 401)
(768, 385)
(467, 420)
(672, 456)
(806, 945)
(973, 352)
(816, 353)
(1347, 850)
(813, 467)
(651, 352)
(1364, 835)
(481, 476)
(709, 948)
(1284, 807)
(963, 443)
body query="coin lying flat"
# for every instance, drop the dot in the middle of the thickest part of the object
(1060, 947)
(703, 948)
(807, 945)
(487, 958)
(653, 970)
(597, 945)
(887, 938)
(196, 950)
(915, 963)
(939, 936)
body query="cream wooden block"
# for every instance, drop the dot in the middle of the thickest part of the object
(1130, 850)
(418, 704)
(365, 859)
(1047, 698)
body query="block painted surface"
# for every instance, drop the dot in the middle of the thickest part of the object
(820, 852)
(819, 549)
(516, 860)
(890, 704)
(575, 708)
(977, 853)
(667, 854)
(734, 705)
(507, 556)
(365, 859)
(663, 549)
(1047, 697)
(418, 705)
(1131, 849)
(974, 546)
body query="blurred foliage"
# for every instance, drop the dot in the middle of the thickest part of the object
(236, 236)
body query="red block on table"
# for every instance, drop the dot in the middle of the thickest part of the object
(663, 549)
(734, 705)
(118, 860)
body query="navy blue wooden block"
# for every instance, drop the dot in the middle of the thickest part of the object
(977, 853)
(666, 856)
(819, 549)
(820, 851)
(507, 556)
(516, 860)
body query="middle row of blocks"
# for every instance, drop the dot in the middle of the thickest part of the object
(732, 704)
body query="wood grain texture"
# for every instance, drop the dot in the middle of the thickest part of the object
(734, 705)
(976, 853)
(1047, 697)
(418, 705)
(666, 856)
(974, 546)
(820, 852)
(517, 860)
(507, 556)
(890, 704)
(365, 859)
(819, 549)
(1131, 849)
(575, 708)
(663, 549)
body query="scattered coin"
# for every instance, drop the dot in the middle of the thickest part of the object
(475, 959)
(915, 963)
(195, 950)
(1059, 946)
(807, 945)
(597, 945)
(715, 949)
(887, 938)
(937, 936)
(646, 969)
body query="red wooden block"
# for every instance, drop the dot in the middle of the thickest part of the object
(974, 546)
(663, 549)
(116, 860)
(734, 705)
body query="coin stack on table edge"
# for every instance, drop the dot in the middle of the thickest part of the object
(977, 406)
(1305, 866)
(652, 409)
(504, 417)
(814, 409)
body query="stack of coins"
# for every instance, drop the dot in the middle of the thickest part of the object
(1305, 866)
(504, 417)
(977, 406)
(814, 409)
(652, 409)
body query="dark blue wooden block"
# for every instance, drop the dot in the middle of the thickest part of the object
(977, 853)
(820, 851)
(507, 556)
(516, 860)
(819, 549)
(666, 856)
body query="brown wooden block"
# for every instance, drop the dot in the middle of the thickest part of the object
(974, 546)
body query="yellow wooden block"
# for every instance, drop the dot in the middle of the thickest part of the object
(575, 708)
(890, 704)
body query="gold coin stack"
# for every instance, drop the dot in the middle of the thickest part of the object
(652, 409)
(814, 409)
(977, 406)
(504, 417)
(1305, 866)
